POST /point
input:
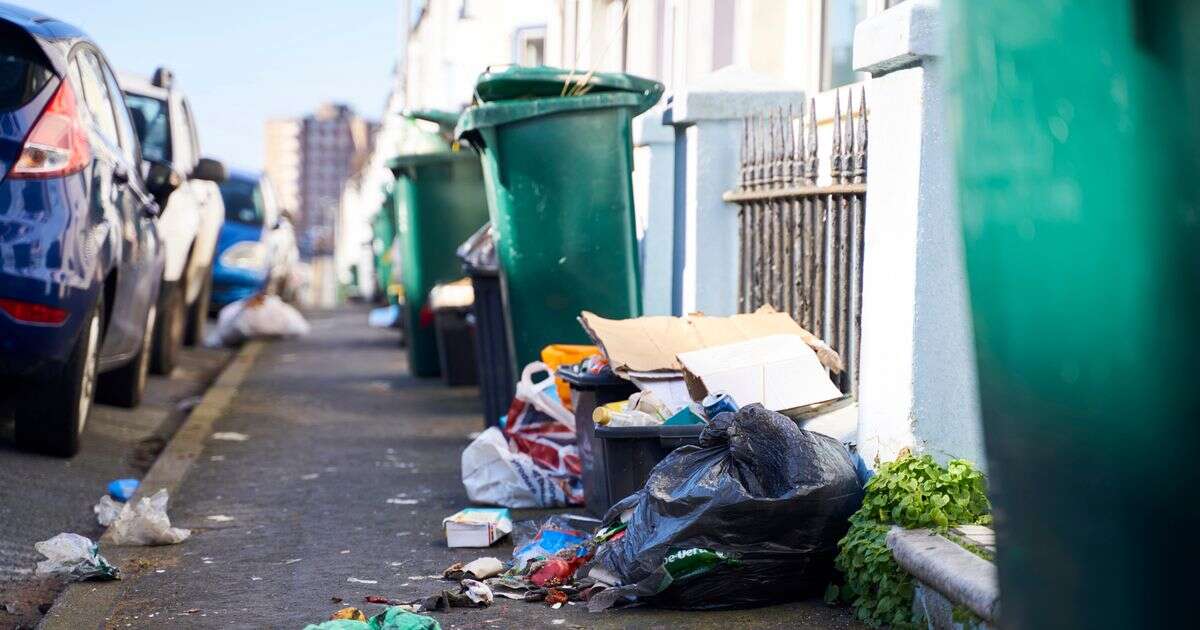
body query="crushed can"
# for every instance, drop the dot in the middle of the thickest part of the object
(718, 402)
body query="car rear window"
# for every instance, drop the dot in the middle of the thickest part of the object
(243, 201)
(152, 124)
(23, 72)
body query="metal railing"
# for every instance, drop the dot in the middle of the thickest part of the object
(802, 243)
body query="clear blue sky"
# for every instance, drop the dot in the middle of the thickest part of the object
(242, 62)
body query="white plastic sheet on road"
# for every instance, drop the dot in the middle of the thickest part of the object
(144, 522)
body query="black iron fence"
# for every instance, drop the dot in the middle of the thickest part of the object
(802, 243)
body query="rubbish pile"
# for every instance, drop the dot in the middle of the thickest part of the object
(260, 316)
(749, 516)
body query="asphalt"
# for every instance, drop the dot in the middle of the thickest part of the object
(335, 428)
(42, 496)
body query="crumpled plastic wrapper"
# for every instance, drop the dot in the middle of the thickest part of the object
(144, 522)
(76, 557)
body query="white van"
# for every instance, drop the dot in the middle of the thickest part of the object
(192, 217)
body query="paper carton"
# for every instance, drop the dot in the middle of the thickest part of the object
(477, 527)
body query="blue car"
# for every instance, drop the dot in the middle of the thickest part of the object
(80, 257)
(245, 247)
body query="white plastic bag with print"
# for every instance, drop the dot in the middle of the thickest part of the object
(495, 474)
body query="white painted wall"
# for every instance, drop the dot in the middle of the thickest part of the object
(917, 380)
(653, 200)
(707, 117)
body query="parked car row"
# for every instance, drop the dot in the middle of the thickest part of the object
(110, 219)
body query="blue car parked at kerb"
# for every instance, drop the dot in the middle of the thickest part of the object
(244, 258)
(80, 256)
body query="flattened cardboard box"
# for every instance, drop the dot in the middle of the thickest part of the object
(651, 344)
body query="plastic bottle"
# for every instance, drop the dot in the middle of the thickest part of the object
(603, 416)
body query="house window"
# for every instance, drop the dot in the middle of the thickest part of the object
(529, 46)
(837, 41)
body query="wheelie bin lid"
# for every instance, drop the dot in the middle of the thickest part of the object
(520, 93)
(524, 82)
(400, 162)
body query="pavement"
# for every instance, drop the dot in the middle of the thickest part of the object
(42, 496)
(336, 493)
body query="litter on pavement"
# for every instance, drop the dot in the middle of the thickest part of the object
(479, 569)
(258, 316)
(122, 489)
(75, 557)
(394, 618)
(144, 522)
(230, 436)
(477, 527)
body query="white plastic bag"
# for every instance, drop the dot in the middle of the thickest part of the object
(146, 523)
(74, 556)
(107, 510)
(542, 394)
(255, 317)
(494, 474)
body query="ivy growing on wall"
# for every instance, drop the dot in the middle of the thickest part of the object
(912, 492)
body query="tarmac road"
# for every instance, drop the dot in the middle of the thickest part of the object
(42, 496)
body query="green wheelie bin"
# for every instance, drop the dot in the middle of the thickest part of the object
(557, 155)
(439, 203)
(383, 230)
(1077, 154)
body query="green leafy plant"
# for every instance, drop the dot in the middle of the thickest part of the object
(912, 492)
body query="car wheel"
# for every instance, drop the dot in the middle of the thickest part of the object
(51, 417)
(123, 386)
(198, 313)
(168, 330)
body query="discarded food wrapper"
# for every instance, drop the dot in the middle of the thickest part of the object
(478, 592)
(76, 557)
(778, 371)
(477, 527)
(470, 594)
(146, 523)
(480, 569)
(533, 542)
(122, 489)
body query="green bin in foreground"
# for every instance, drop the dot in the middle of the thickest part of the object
(439, 203)
(557, 166)
(1078, 147)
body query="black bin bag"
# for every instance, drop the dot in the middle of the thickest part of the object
(750, 517)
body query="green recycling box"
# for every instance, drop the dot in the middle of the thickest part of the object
(557, 157)
(439, 203)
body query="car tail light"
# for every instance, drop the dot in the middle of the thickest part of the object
(32, 313)
(57, 145)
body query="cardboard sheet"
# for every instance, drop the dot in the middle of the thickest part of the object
(779, 371)
(650, 344)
